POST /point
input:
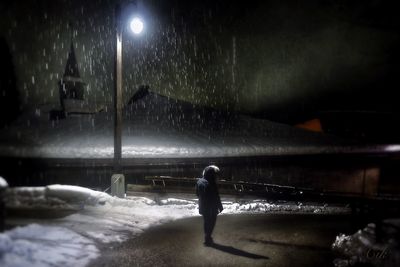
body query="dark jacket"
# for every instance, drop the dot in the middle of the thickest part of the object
(209, 200)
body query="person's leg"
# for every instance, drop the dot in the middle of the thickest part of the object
(207, 228)
(213, 220)
(205, 224)
(209, 224)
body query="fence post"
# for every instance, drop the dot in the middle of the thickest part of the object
(118, 185)
(3, 188)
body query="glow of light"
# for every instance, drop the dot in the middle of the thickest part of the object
(136, 25)
(392, 148)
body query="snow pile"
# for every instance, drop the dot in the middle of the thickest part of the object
(3, 183)
(97, 217)
(36, 245)
(262, 206)
(54, 196)
(71, 240)
(255, 206)
(97, 214)
(77, 194)
(32, 198)
(176, 201)
(363, 247)
(117, 219)
(110, 219)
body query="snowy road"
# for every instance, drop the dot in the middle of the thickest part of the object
(241, 240)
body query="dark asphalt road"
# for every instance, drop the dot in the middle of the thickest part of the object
(241, 240)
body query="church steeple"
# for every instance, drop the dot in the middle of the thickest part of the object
(71, 69)
(71, 85)
(72, 89)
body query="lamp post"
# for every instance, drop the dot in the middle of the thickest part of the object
(136, 26)
(118, 91)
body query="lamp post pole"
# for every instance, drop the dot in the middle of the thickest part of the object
(118, 179)
(118, 91)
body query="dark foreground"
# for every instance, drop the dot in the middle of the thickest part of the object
(241, 240)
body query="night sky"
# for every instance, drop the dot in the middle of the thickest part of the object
(287, 61)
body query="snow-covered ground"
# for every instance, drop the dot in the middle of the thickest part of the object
(156, 126)
(364, 248)
(97, 218)
(41, 245)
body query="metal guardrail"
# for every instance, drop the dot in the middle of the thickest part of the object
(276, 190)
(239, 186)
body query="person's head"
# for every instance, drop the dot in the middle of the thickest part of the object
(210, 173)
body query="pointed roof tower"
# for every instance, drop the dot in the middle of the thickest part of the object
(71, 72)
(71, 85)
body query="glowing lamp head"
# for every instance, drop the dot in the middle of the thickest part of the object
(136, 25)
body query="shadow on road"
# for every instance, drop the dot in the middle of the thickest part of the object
(237, 252)
(277, 243)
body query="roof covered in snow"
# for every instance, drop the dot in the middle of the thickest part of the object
(156, 126)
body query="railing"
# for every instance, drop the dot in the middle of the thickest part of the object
(235, 186)
(274, 191)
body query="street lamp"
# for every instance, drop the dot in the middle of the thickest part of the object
(136, 26)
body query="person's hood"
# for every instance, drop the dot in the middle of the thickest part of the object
(210, 173)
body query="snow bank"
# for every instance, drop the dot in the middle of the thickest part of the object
(262, 206)
(3, 183)
(70, 241)
(118, 219)
(54, 196)
(76, 194)
(363, 247)
(111, 219)
(101, 218)
(32, 198)
(37, 245)
(98, 215)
